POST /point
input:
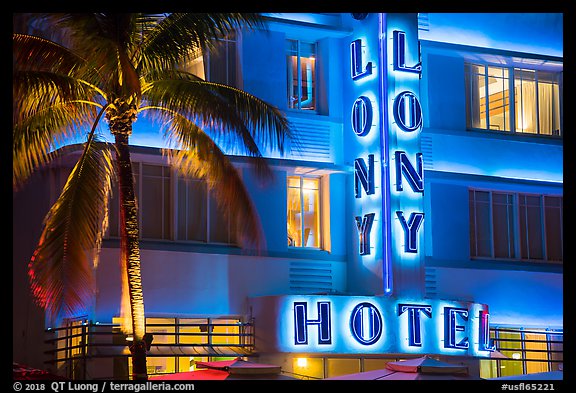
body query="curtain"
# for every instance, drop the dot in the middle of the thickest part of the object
(525, 105)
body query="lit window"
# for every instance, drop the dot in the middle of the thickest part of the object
(219, 64)
(303, 212)
(537, 103)
(526, 352)
(301, 67)
(535, 95)
(191, 333)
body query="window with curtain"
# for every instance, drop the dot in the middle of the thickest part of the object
(487, 97)
(301, 74)
(174, 208)
(303, 212)
(154, 196)
(515, 226)
(491, 224)
(506, 99)
(219, 65)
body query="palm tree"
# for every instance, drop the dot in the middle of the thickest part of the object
(85, 68)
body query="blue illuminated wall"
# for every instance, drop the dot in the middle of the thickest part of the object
(191, 280)
(536, 33)
(520, 293)
(371, 325)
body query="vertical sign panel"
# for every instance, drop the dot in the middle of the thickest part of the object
(362, 133)
(402, 180)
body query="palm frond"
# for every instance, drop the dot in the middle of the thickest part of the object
(60, 270)
(266, 123)
(34, 91)
(48, 108)
(194, 99)
(231, 118)
(104, 41)
(199, 156)
(31, 53)
(179, 35)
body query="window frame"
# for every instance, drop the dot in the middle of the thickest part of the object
(172, 210)
(513, 73)
(228, 48)
(517, 230)
(290, 86)
(320, 212)
(526, 338)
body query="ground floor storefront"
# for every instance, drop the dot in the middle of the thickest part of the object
(338, 336)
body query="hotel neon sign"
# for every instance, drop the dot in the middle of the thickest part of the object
(348, 324)
(400, 214)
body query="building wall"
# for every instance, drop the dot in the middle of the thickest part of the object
(519, 293)
(207, 280)
(183, 278)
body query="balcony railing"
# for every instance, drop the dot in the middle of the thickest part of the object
(74, 346)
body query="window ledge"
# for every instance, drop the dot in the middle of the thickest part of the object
(539, 138)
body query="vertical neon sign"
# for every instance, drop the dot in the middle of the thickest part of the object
(402, 120)
(383, 142)
(363, 144)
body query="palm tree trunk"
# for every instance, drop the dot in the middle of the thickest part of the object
(131, 253)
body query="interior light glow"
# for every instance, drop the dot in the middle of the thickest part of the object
(302, 362)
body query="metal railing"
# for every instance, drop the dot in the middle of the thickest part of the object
(78, 346)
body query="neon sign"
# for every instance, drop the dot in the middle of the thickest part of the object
(361, 324)
(362, 116)
(301, 323)
(452, 316)
(364, 227)
(400, 54)
(407, 116)
(407, 111)
(356, 56)
(366, 323)
(385, 203)
(364, 176)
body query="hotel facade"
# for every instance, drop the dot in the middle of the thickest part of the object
(418, 211)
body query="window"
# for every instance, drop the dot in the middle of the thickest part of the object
(218, 65)
(72, 341)
(193, 215)
(222, 336)
(515, 226)
(199, 216)
(303, 212)
(491, 224)
(488, 97)
(527, 352)
(153, 195)
(541, 227)
(341, 366)
(537, 103)
(506, 99)
(301, 77)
